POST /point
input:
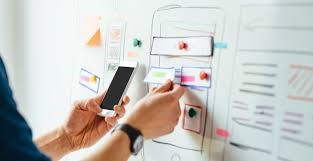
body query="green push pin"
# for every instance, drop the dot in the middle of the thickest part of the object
(136, 43)
(192, 112)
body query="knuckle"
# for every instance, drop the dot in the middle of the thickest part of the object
(76, 103)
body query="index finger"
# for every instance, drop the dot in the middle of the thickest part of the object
(177, 91)
(164, 87)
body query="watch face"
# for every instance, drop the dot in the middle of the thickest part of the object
(138, 144)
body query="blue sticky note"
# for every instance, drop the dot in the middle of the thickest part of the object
(220, 45)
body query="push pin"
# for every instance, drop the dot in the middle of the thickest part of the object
(93, 79)
(204, 75)
(192, 112)
(136, 43)
(182, 45)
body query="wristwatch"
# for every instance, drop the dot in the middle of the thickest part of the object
(134, 135)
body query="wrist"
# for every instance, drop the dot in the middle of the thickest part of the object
(55, 144)
(66, 140)
(134, 135)
(134, 125)
(122, 136)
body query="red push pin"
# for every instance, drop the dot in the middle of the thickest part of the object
(204, 75)
(182, 45)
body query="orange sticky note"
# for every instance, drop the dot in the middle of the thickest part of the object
(95, 39)
(132, 54)
(92, 34)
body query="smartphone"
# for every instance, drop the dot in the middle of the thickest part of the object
(118, 87)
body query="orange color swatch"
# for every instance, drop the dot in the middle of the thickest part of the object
(92, 33)
(95, 40)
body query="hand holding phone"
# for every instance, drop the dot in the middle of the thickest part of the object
(118, 87)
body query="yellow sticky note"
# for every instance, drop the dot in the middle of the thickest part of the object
(92, 34)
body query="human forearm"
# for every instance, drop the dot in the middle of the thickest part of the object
(115, 149)
(55, 144)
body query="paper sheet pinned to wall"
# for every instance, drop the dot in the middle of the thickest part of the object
(115, 46)
(92, 31)
(191, 76)
(89, 80)
(192, 118)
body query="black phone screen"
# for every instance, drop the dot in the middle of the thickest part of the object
(117, 87)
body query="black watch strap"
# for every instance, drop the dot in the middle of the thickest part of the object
(131, 132)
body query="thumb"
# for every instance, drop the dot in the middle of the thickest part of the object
(165, 87)
(99, 98)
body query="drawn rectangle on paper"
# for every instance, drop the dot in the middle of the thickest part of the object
(300, 83)
(252, 137)
(192, 123)
(114, 51)
(190, 76)
(160, 75)
(181, 28)
(195, 46)
(89, 80)
(287, 31)
(293, 149)
(116, 38)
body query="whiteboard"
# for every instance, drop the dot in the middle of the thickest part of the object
(259, 101)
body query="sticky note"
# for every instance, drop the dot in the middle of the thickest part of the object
(89, 80)
(222, 133)
(92, 33)
(186, 78)
(192, 118)
(84, 78)
(220, 45)
(95, 40)
(132, 54)
(160, 75)
(193, 76)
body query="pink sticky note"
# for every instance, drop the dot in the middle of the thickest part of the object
(222, 133)
(186, 78)
(84, 78)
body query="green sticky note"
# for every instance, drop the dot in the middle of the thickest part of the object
(159, 74)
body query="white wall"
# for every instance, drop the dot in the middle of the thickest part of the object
(44, 60)
(7, 35)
